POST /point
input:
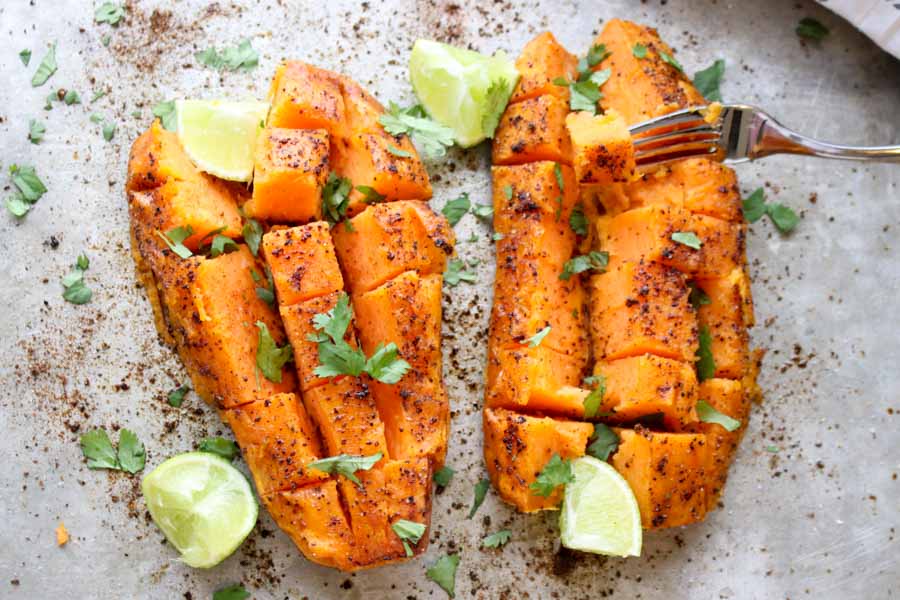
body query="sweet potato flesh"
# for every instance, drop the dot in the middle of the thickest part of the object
(633, 322)
(212, 309)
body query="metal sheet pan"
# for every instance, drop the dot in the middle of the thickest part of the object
(818, 518)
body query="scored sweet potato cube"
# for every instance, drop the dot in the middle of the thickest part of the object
(602, 151)
(659, 186)
(710, 188)
(667, 473)
(729, 398)
(645, 233)
(362, 110)
(723, 246)
(725, 317)
(533, 130)
(157, 156)
(641, 386)
(542, 60)
(344, 411)
(388, 164)
(389, 492)
(535, 379)
(203, 205)
(277, 439)
(642, 308)
(387, 239)
(641, 88)
(532, 192)
(305, 97)
(407, 311)
(302, 262)
(529, 294)
(314, 518)
(517, 447)
(291, 168)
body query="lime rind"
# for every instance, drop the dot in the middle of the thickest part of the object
(220, 136)
(453, 85)
(203, 505)
(600, 513)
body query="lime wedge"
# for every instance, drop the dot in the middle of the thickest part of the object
(220, 136)
(599, 512)
(204, 506)
(462, 89)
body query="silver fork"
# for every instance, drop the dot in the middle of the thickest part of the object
(737, 134)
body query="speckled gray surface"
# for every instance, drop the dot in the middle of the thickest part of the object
(817, 519)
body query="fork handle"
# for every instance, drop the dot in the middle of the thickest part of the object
(774, 138)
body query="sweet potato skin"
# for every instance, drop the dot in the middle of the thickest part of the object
(516, 448)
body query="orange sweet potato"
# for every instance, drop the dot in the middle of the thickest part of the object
(728, 397)
(302, 262)
(542, 60)
(642, 308)
(277, 439)
(601, 148)
(344, 411)
(646, 234)
(533, 130)
(725, 317)
(361, 109)
(291, 168)
(710, 188)
(407, 311)
(667, 473)
(531, 192)
(388, 239)
(516, 448)
(641, 386)
(724, 246)
(157, 156)
(642, 88)
(305, 97)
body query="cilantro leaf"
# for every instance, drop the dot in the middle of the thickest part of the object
(584, 95)
(706, 364)
(483, 212)
(335, 198)
(109, 130)
(784, 217)
(269, 357)
(593, 400)
(555, 473)
(755, 205)
(346, 465)
(595, 260)
(252, 233)
(481, 490)
(668, 58)
(28, 183)
(456, 273)
(232, 592)
(370, 194)
(339, 359)
(36, 131)
(456, 208)
(71, 97)
(25, 57)
(495, 540)
(265, 293)
(165, 111)
(707, 414)
(430, 135)
(604, 442)
(174, 239)
(697, 296)
(508, 191)
(443, 573)
(334, 322)
(131, 454)
(98, 450)
(709, 79)
(385, 366)
(75, 290)
(398, 151)
(687, 238)
(98, 94)
(176, 396)
(639, 50)
(243, 56)
(578, 222)
(811, 29)
(408, 532)
(557, 171)
(109, 12)
(443, 476)
(219, 446)
(535, 340)
(594, 57)
(495, 101)
(46, 68)
(222, 244)
(497, 236)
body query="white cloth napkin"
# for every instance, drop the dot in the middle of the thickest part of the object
(878, 19)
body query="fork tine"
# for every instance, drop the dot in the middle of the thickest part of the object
(673, 137)
(668, 121)
(674, 152)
